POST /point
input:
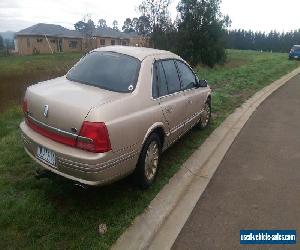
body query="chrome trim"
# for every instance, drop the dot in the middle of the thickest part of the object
(91, 168)
(58, 131)
(185, 122)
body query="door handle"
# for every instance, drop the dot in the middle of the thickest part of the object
(190, 101)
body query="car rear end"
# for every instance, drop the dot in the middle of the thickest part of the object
(57, 133)
(61, 140)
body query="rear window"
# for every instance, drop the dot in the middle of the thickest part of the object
(296, 48)
(107, 70)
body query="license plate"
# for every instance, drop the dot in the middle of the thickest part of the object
(46, 155)
(296, 57)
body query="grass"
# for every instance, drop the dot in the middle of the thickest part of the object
(18, 72)
(52, 214)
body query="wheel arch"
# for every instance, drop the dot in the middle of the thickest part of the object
(208, 99)
(156, 128)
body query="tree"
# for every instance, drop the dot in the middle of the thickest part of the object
(128, 26)
(272, 41)
(86, 27)
(115, 25)
(102, 23)
(201, 31)
(134, 23)
(143, 26)
(1, 43)
(156, 11)
(154, 19)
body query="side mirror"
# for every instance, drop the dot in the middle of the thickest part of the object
(202, 83)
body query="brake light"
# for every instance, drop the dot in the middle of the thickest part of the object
(52, 135)
(97, 132)
(25, 106)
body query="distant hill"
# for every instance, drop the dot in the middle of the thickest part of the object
(8, 35)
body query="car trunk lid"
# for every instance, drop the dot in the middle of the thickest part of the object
(63, 104)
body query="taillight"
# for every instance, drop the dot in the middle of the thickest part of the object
(98, 135)
(52, 135)
(25, 106)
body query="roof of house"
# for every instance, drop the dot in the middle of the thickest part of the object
(109, 32)
(59, 31)
(138, 52)
(50, 30)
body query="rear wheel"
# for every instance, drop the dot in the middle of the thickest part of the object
(205, 116)
(147, 167)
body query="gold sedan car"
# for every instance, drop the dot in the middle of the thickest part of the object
(113, 114)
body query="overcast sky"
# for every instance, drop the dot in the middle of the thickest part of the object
(264, 15)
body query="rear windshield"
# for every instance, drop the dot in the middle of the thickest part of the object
(296, 48)
(107, 70)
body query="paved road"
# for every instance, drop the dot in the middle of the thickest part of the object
(257, 185)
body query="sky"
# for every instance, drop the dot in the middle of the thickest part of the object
(257, 15)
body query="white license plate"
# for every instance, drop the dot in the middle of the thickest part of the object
(296, 57)
(46, 155)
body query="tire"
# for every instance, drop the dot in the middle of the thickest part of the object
(147, 166)
(205, 116)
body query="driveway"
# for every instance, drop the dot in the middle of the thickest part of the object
(257, 185)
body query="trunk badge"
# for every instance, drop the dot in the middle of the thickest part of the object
(46, 109)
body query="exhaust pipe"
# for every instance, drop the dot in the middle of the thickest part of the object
(42, 173)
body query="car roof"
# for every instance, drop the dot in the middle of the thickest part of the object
(297, 46)
(138, 52)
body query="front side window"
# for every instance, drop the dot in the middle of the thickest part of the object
(107, 70)
(187, 77)
(171, 75)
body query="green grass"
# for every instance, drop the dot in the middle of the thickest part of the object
(52, 214)
(45, 62)
(18, 72)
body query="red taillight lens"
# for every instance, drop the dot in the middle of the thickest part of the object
(53, 136)
(97, 132)
(25, 106)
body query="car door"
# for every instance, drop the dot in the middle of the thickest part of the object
(195, 96)
(166, 88)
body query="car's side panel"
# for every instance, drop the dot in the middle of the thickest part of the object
(174, 109)
(196, 98)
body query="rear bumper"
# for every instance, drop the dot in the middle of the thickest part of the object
(78, 165)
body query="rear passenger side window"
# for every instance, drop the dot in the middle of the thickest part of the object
(159, 85)
(171, 75)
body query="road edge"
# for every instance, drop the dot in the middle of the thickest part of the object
(159, 225)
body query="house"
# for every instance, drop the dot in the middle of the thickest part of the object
(47, 38)
(50, 38)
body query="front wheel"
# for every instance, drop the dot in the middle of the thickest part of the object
(147, 167)
(205, 116)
